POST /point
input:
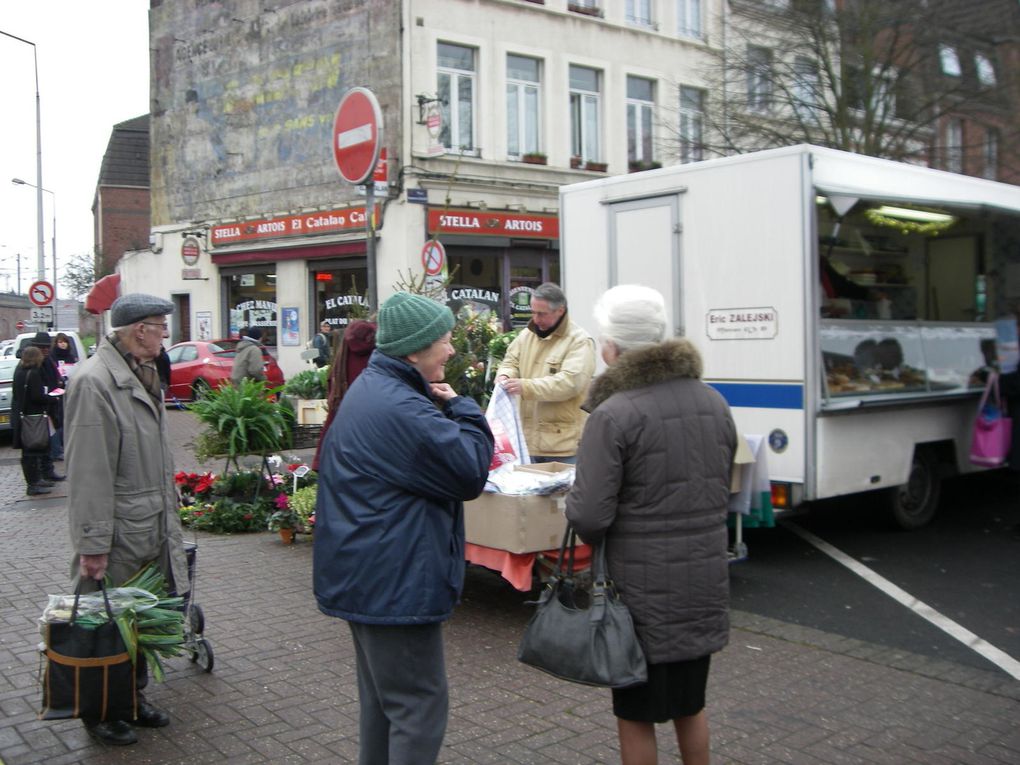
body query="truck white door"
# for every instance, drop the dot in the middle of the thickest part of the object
(644, 248)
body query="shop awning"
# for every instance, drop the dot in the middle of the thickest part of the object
(102, 294)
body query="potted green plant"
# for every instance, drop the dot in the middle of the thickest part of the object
(242, 419)
(598, 167)
(534, 158)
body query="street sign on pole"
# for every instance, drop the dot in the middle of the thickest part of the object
(41, 293)
(357, 139)
(357, 135)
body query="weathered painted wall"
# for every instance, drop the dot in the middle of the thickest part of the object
(243, 98)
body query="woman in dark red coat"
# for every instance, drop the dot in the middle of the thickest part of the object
(356, 346)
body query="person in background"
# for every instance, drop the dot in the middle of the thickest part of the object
(549, 365)
(52, 380)
(653, 484)
(321, 343)
(122, 501)
(403, 454)
(62, 350)
(248, 358)
(29, 396)
(356, 347)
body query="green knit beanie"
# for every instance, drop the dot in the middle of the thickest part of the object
(410, 323)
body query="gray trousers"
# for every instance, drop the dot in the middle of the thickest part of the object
(402, 691)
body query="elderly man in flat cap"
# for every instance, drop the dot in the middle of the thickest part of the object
(122, 503)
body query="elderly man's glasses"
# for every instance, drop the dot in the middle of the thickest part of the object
(164, 326)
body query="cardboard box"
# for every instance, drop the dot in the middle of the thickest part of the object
(310, 411)
(518, 523)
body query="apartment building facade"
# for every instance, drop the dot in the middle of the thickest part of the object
(488, 107)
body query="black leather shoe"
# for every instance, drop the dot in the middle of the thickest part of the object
(35, 489)
(55, 477)
(150, 717)
(115, 732)
(44, 483)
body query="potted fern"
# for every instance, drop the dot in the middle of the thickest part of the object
(242, 419)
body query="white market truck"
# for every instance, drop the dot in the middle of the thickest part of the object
(842, 304)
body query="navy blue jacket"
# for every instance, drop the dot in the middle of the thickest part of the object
(389, 519)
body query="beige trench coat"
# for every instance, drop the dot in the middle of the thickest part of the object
(120, 476)
(555, 371)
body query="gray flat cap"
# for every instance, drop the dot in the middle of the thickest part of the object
(128, 309)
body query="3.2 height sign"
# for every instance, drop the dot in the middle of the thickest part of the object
(357, 135)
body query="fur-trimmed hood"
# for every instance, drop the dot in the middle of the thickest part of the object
(669, 360)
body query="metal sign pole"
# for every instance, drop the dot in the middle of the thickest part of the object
(370, 243)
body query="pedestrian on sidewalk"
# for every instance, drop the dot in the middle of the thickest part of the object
(321, 343)
(248, 357)
(404, 454)
(30, 397)
(653, 485)
(122, 501)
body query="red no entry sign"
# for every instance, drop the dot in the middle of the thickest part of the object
(357, 135)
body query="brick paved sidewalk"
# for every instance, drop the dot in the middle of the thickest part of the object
(283, 688)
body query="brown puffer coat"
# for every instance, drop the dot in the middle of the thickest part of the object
(653, 477)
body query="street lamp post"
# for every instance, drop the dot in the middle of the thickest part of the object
(38, 159)
(53, 241)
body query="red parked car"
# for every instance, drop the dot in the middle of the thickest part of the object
(199, 365)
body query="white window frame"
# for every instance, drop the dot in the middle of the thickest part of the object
(585, 118)
(460, 137)
(691, 126)
(520, 93)
(954, 145)
(985, 70)
(640, 124)
(805, 90)
(639, 13)
(949, 60)
(760, 80)
(991, 153)
(688, 18)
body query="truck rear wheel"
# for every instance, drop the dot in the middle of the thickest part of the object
(913, 504)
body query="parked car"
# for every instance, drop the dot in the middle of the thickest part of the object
(196, 366)
(7, 367)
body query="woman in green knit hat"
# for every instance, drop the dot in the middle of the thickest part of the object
(402, 455)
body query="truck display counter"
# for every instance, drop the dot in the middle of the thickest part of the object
(888, 362)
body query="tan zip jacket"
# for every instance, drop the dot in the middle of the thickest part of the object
(556, 371)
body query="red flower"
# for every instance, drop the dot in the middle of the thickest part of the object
(282, 502)
(248, 516)
(293, 466)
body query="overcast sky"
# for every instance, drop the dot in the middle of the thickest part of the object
(93, 63)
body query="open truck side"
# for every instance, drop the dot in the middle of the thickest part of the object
(874, 389)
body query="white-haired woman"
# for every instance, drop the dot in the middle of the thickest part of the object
(653, 477)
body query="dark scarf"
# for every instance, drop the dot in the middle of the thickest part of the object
(669, 360)
(544, 333)
(146, 371)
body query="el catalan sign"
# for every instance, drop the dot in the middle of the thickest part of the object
(484, 223)
(306, 224)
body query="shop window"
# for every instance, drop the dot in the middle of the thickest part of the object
(251, 302)
(475, 283)
(340, 296)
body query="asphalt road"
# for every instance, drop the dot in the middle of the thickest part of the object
(965, 565)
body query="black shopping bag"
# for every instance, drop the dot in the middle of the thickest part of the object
(89, 673)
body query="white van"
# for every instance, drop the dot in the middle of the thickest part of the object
(76, 343)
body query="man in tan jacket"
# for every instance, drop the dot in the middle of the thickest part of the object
(549, 365)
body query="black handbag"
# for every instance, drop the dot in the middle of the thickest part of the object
(35, 432)
(580, 635)
(89, 673)
(34, 429)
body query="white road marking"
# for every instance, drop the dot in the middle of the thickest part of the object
(996, 656)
